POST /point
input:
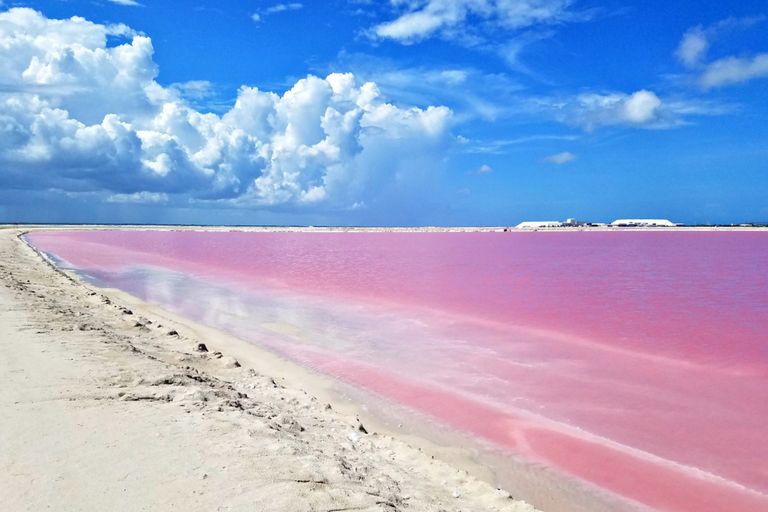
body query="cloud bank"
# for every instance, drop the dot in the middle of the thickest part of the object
(81, 111)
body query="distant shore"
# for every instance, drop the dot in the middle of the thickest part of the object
(385, 229)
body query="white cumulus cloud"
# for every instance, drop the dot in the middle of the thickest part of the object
(641, 108)
(78, 114)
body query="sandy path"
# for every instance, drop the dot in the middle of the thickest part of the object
(104, 410)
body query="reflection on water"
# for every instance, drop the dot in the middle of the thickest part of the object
(425, 344)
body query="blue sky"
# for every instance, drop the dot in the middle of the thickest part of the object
(407, 112)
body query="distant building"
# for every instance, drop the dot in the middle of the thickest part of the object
(539, 224)
(641, 223)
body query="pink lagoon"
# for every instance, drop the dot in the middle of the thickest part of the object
(633, 363)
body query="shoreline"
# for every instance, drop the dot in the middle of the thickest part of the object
(543, 485)
(484, 465)
(548, 489)
(111, 371)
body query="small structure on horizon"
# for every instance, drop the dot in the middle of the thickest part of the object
(643, 223)
(539, 224)
(575, 223)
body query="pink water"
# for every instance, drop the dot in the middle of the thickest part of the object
(634, 361)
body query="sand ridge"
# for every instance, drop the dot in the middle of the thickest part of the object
(106, 408)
